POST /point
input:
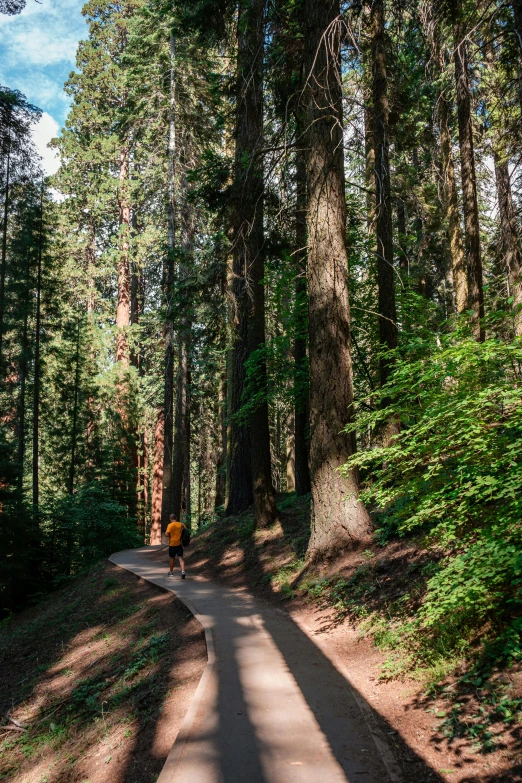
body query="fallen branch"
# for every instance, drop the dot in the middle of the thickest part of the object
(20, 725)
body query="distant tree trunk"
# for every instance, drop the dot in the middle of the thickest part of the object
(4, 240)
(157, 480)
(72, 466)
(123, 308)
(290, 452)
(180, 434)
(21, 403)
(219, 498)
(168, 290)
(145, 476)
(91, 263)
(401, 236)
(187, 476)
(517, 11)
(509, 233)
(181, 449)
(37, 368)
(301, 379)
(451, 207)
(451, 202)
(469, 180)
(338, 516)
(388, 332)
(369, 160)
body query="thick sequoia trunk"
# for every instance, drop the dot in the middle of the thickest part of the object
(249, 457)
(337, 514)
(168, 286)
(301, 380)
(383, 203)
(157, 480)
(509, 234)
(123, 307)
(469, 181)
(250, 247)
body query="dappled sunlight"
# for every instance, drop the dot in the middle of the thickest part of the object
(104, 675)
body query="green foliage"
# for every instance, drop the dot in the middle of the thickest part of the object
(454, 473)
(80, 529)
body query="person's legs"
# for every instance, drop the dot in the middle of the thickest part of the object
(182, 563)
(171, 564)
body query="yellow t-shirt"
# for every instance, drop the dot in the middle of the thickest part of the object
(174, 533)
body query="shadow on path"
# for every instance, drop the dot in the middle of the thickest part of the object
(255, 731)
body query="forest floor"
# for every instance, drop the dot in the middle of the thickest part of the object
(100, 673)
(442, 725)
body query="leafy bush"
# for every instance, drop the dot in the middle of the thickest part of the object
(454, 472)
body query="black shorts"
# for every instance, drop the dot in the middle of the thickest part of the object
(176, 550)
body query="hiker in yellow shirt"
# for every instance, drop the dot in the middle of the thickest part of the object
(174, 530)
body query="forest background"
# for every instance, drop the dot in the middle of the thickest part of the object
(284, 260)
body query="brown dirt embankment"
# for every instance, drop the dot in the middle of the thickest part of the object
(100, 674)
(436, 733)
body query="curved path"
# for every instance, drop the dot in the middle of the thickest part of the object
(270, 706)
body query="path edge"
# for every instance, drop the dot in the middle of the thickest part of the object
(388, 759)
(182, 736)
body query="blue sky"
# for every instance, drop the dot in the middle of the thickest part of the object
(37, 53)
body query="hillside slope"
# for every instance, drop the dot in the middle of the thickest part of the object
(100, 674)
(462, 719)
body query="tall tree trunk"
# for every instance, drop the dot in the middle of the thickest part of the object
(72, 465)
(157, 481)
(247, 261)
(290, 452)
(451, 208)
(250, 241)
(401, 236)
(451, 202)
(21, 402)
(509, 233)
(91, 264)
(181, 455)
(187, 451)
(337, 514)
(301, 379)
(517, 11)
(388, 332)
(123, 308)
(168, 290)
(469, 180)
(4, 240)
(37, 367)
(219, 498)
(180, 434)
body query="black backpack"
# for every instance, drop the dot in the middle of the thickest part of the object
(185, 537)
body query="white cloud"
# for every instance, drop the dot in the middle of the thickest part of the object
(42, 34)
(38, 48)
(42, 133)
